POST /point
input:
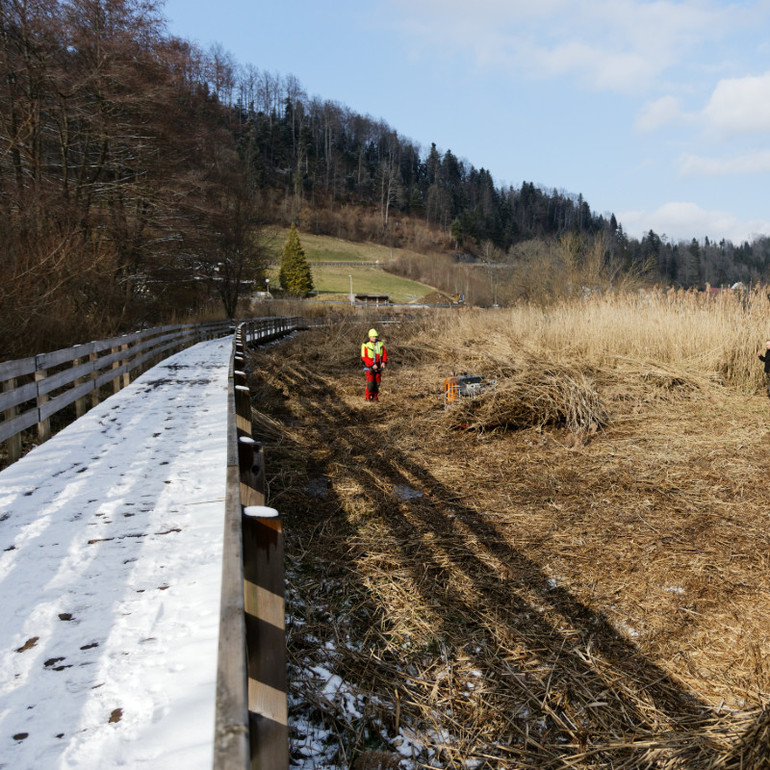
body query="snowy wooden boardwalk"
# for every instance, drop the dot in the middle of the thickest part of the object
(110, 577)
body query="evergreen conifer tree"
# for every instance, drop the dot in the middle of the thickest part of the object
(294, 275)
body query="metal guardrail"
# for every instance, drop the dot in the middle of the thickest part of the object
(36, 388)
(252, 713)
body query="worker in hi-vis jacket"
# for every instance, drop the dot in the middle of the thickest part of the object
(374, 356)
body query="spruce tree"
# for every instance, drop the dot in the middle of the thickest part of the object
(295, 276)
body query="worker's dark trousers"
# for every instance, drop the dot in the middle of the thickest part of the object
(372, 386)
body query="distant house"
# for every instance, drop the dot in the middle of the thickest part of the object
(374, 299)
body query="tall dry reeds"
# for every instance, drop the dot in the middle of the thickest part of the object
(691, 335)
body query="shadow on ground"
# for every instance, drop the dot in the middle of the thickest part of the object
(504, 666)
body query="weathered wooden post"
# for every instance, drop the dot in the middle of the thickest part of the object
(242, 410)
(13, 444)
(265, 637)
(251, 460)
(44, 423)
(124, 362)
(93, 357)
(80, 404)
(115, 364)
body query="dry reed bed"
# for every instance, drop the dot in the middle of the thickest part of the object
(572, 571)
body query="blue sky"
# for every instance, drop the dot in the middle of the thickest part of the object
(658, 112)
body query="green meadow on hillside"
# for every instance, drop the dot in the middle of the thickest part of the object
(324, 248)
(333, 282)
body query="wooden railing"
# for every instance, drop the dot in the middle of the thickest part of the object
(266, 329)
(252, 712)
(34, 389)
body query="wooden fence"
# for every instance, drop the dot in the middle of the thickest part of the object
(252, 712)
(35, 389)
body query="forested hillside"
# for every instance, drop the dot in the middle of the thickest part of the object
(315, 156)
(122, 197)
(136, 172)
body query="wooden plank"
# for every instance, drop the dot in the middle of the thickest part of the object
(18, 424)
(53, 405)
(105, 362)
(231, 725)
(64, 355)
(158, 344)
(65, 377)
(107, 376)
(155, 352)
(17, 368)
(56, 358)
(108, 344)
(16, 396)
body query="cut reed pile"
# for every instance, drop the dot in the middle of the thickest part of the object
(577, 579)
(536, 396)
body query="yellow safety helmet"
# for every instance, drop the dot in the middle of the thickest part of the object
(373, 333)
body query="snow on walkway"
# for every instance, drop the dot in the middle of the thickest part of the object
(110, 576)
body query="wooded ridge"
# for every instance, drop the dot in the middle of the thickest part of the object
(137, 172)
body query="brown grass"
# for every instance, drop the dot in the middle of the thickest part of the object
(579, 578)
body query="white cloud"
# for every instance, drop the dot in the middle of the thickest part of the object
(740, 105)
(659, 113)
(599, 69)
(683, 221)
(750, 163)
(618, 45)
